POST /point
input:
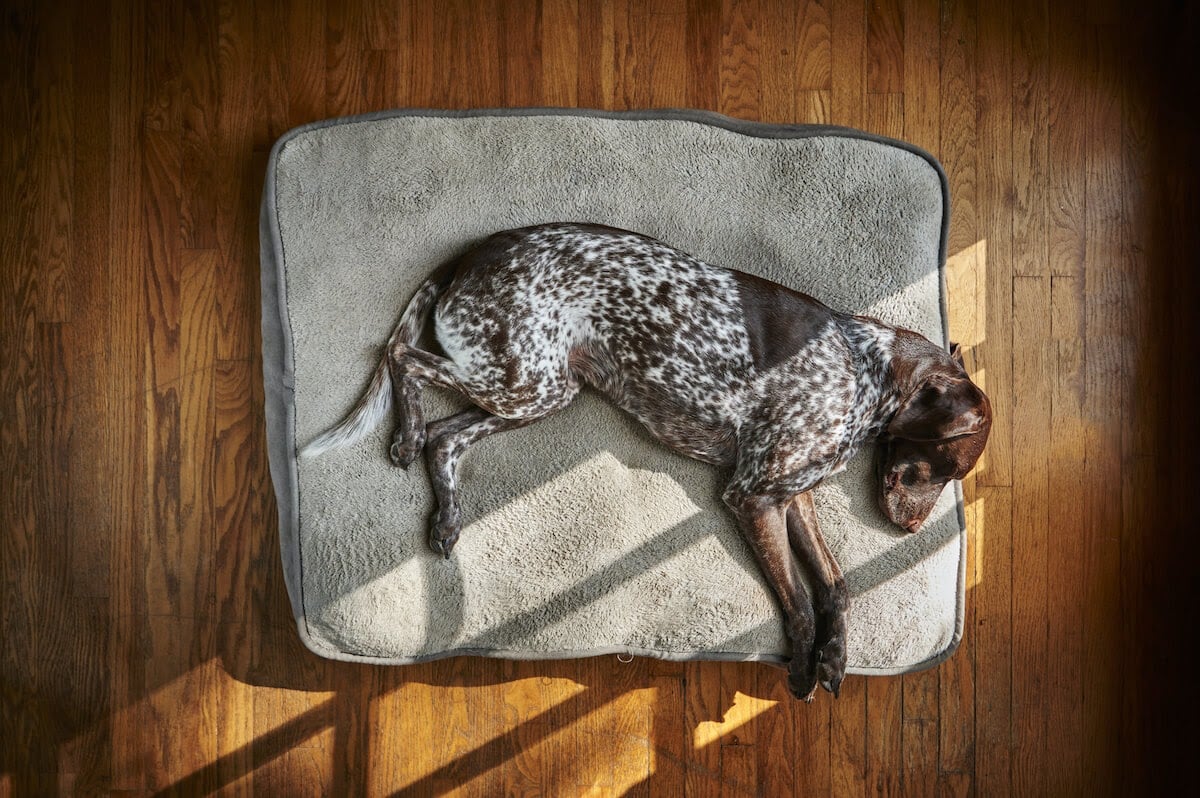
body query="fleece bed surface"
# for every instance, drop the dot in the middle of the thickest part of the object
(584, 535)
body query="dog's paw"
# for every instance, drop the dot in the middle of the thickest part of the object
(831, 664)
(406, 450)
(444, 532)
(802, 678)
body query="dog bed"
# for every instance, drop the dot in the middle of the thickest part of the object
(584, 536)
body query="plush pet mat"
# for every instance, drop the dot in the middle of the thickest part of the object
(585, 536)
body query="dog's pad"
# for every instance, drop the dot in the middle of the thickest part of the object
(583, 534)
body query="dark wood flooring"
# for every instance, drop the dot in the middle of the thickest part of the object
(146, 644)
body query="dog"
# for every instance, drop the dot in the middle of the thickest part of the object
(722, 366)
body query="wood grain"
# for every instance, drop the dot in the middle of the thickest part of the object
(147, 640)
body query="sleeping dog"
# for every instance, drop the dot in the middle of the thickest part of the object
(719, 365)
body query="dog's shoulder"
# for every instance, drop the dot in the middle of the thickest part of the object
(779, 321)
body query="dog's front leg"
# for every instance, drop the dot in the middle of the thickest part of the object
(830, 597)
(763, 522)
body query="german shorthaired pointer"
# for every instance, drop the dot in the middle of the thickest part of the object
(720, 365)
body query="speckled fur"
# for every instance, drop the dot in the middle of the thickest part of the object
(661, 334)
(719, 365)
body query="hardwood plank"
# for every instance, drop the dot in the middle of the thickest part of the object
(777, 732)
(738, 772)
(617, 89)
(53, 161)
(885, 735)
(596, 54)
(995, 187)
(384, 24)
(813, 773)
(345, 56)
(703, 53)
(1105, 372)
(921, 79)
(240, 165)
(1031, 137)
(306, 73)
(1033, 362)
(37, 575)
(162, 256)
(848, 739)
(920, 731)
(993, 641)
(126, 439)
(741, 87)
(670, 737)
(559, 47)
(416, 23)
(848, 43)
(199, 178)
(466, 67)
(813, 107)
(739, 761)
(885, 46)
(657, 37)
(457, 740)
(631, 729)
(1067, 124)
(813, 49)
(954, 785)
(1066, 517)
(90, 538)
(705, 703)
(270, 70)
(402, 710)
(779, 67)
(384, 82)
(593, 768)
(1142, 418)
(519, 33)
(884, 114)
(165, 58)
(180, 741)
(957, 137)
(237, 489)
(521, 704)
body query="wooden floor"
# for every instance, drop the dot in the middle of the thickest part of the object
(147, 644)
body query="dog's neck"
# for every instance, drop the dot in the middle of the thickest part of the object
(876, 399)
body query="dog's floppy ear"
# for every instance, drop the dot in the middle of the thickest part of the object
(956, 355)
(941, 407)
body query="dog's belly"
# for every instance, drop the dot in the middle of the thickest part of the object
(701, 437)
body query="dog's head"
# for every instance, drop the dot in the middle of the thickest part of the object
(936, 435)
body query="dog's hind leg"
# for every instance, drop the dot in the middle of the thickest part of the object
(411, 369)
(448, 440)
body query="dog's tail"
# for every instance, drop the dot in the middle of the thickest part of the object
(376, 401)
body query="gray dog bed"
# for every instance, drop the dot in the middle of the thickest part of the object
(584, 536)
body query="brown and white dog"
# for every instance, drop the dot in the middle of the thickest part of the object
(721, 366)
